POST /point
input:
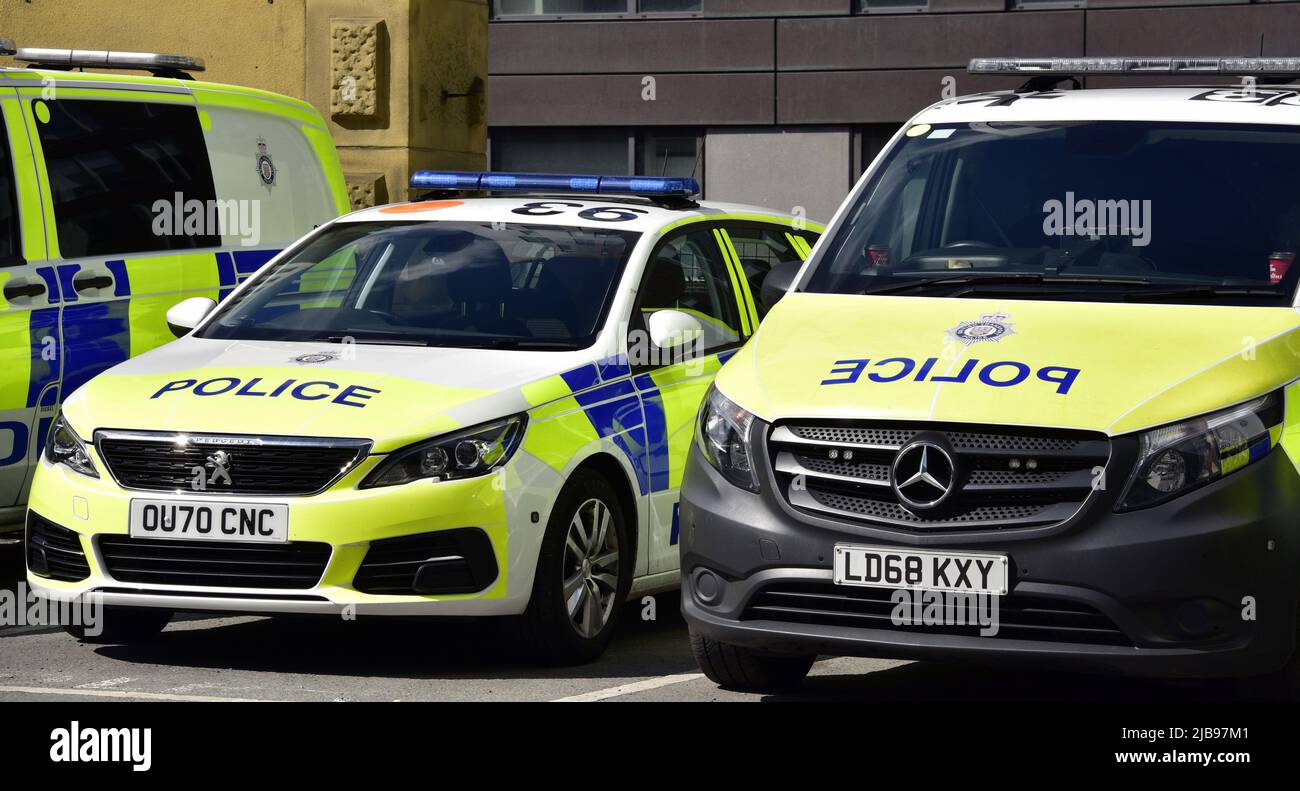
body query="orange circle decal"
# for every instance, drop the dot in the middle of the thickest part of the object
(424, 205)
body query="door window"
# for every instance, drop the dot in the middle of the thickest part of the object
(760, 248)
(9, 243)
(112, 165)
(688, 273)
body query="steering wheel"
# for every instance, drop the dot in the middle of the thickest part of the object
(969, 243)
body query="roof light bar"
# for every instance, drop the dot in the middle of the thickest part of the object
(1232, 67)
(7, 46)
(473, 181)
(107, 59)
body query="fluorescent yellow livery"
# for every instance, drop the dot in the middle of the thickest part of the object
(453, 407)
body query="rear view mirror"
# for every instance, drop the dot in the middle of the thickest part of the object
(778, 281)
(186, 315)
(672, 328)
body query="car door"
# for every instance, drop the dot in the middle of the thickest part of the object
(132, 217)
(688, 271)
(29, 314)
(757, 247)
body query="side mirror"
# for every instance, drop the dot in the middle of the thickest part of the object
(672, 328)
(778, 281)
(186, 315)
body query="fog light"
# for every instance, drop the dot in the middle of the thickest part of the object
(708, 586)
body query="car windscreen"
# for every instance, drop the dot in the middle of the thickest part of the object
(460, 284)
(1190, 213)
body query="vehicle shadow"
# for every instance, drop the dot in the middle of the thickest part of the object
(408, 648)
(937, 681)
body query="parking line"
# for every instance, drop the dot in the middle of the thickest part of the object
(118, 693)
(627, 689)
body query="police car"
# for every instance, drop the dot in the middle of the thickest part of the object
(449, 407)
(120, 194)
(1041, 368)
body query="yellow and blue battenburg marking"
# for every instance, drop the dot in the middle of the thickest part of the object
(102, 332)
(629, 410)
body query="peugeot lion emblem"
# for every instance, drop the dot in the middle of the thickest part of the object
(923, 475)
(220, 464)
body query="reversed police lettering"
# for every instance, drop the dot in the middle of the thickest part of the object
(1000, 373)
(309, 390)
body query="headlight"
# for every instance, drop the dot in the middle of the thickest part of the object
(723, 436)
(465, 454)
(1176, 459)
(63, 446)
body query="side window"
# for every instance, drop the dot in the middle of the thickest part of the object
(9, 244)
(110, 162)
(760, 248)
(688, 273)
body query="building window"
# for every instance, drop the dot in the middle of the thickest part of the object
(599, 151)
(504, 9)
(1029, 5)
(670, 154)
(891, 6)
(586, 151)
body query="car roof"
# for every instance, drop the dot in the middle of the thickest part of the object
(1269, 104)
(650, 217)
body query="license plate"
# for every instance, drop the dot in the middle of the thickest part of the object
(880, 567)
(210, 520)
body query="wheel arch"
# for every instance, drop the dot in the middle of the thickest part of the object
(610, 469)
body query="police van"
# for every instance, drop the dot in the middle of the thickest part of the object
(119, 196)
(449, 407)
(1044, 363)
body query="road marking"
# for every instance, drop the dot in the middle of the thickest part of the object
(118, 693)
(627, 689)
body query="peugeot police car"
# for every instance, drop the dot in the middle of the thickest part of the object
(121, 194)
(1044, 361)
(449, 407)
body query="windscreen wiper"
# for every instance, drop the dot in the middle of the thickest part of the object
(372, 340)
(1204, 291)
(1010, 278)
(519, 343)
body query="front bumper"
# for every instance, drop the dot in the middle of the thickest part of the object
(346, 520)
(1174, 579)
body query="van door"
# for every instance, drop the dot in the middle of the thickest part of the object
(132, 217)
(29, 314)
(688, 271)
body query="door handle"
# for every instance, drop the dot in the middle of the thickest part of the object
(17, 289)
(90, 282)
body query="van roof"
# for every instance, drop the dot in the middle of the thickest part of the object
(15, 77)
(1263, 104)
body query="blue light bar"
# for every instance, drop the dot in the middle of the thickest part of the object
(472, 181)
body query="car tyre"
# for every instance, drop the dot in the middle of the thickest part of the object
(747, 670)
(584, 573)
(124, 625)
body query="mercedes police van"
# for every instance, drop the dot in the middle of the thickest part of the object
(119, 196)
(449, 407)
(1041, 372)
